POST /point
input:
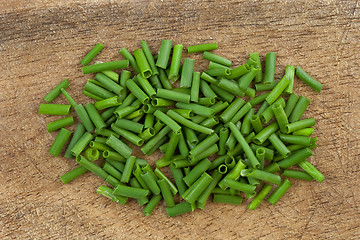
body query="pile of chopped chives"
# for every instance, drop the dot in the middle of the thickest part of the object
(214, 141)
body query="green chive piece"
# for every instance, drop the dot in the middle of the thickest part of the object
(312, 171)
(56, 91)
(130, 192)
(164, 54)
(175, 62)
(202, 47)
(92, 54)
(54, 109)
(299, 109)
(279, 192)
(149, 57)
(297, 174)
(60, 123)
(127, 55)
(260, 196)
(105, 66)
(119, 146)
(142, 63)
(187, 73)
(308, 80)
(295, 158)
(59, 142)
(270, 62)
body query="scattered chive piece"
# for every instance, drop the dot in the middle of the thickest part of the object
(105, 66)
(91, 54)
(202, 47)
(56, 91)
(54, 109)
(57, 124)
(59, 142)
(279, 192)
(308, 80)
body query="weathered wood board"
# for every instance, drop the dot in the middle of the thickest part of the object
(42, 42)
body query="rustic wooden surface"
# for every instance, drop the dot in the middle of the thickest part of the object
(42, 42)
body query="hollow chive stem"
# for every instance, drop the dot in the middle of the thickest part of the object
(151, 182)
(95, 116)
(304, 132)
(168, 121)
(205, 144)
(79, 131)
(129, 125)
(127, 55)
(172, 95)
(242, 187)
(60, 123)
(268, 113)
(110, 169)
(164, 79)
(293, 139)
(92, 167)
(218, 72)
(147, 148)
(73, 174)
(149, 57)
(195, 87)
(225, 198)
(98, 91)
(312, 171)
(164, 54)
(202, 47)
(231, 110)
(178, 118)
(206, 90)
(209, 78)
(144, 83)
(245, 146)
(196, 189)
(260, 196)
(289, 73)
(201, 201)
(213, 65)
(241, 113)
(179, 209)
(297, 174)
(280, 116)
(291, 127)
(279, 192)
(59, 142)
(130, 192)
(142, 63)
(279, 145)
(109, 84)
(109, 193)
(277, 90)
(299, 109)
(197, 171)
(56, 91)
(131, 137)
(91, 54)
(270, 62)
(246, 79)
(107, 103)
(54, 109)
(129, 165)
(196, 108)
(119, 146)
(187, 73)
(306, 78)
(261, 175)
(265, 133)
(136, 90)
(216, 58)
(173, 143)
(290, 104)
(295, 158)
(149, 208)
(105, 66)
(256, 123)
(230, 86)
(246, 126)
(234, 174)
(166, 193)
(175, 62)
(224, 135)
(239, 71)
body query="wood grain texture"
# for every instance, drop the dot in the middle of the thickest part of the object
(42, 42)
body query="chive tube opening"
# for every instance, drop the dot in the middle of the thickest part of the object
(222, 169)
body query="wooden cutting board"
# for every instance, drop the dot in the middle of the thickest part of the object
(42, 42)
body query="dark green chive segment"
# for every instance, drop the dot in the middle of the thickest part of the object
(253, 122)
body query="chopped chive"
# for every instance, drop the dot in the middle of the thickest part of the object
(308, 80)
(91, 54)
(202, 47)
(56, 91)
